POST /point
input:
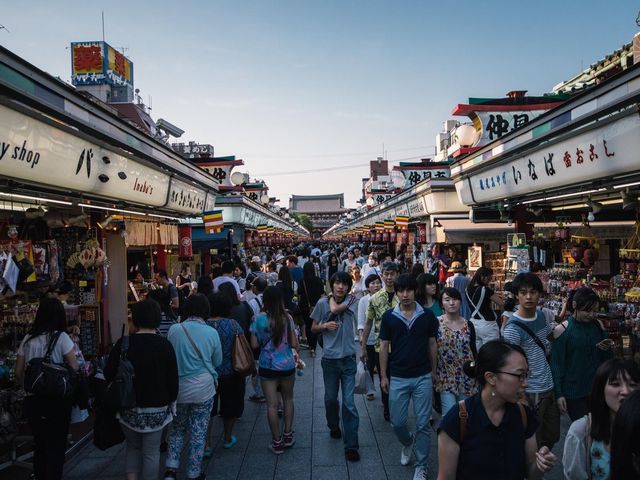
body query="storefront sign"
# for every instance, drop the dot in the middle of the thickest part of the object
(495, 125)
(186, 198)
(422, 232)
(417, 208)
(413, 177)
(186, 246)
(35, 152)
(605, 151)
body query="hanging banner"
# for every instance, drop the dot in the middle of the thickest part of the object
(186, 245)
(422, 232)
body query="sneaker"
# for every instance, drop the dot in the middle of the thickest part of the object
(406, 452)
(420, 473)
(257, 398)
(170, 474)
(335, 433)
(352, 455)
(277, 446)
(231, 443)
(288, 439)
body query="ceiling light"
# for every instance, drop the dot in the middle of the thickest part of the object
(88, 205)
(29, 197)
(566, 195)
(626, 185)
(591, 217)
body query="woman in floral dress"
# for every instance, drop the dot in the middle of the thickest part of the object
(456, 345)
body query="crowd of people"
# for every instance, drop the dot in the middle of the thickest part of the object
(497, 369)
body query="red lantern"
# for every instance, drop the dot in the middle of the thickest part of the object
(186, 246)
(385, 237)
(392, 237)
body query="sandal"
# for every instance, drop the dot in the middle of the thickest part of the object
(208, 453)
(170, 474)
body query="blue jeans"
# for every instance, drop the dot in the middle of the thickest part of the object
(341, 373)
(448, 400)
(401, 390)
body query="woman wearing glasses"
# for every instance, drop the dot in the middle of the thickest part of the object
(491, 435)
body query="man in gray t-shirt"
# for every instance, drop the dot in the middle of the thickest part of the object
(335, 318)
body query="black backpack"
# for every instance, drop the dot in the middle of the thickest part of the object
(47, 379)
(120, 394)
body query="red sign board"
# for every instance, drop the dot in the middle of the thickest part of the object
(186, 246)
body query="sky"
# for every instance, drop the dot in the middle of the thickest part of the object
(324, 86)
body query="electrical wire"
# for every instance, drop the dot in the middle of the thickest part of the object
(328, 169)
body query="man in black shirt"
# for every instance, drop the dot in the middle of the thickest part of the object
(409, 332)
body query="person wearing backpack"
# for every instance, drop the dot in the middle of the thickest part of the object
(155, 384)
(531, 329)
(48, 417)
(491, 434)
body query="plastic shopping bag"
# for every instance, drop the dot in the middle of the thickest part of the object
(361, 378)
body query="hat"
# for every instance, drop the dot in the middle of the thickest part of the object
(456, 267)
(255, 259)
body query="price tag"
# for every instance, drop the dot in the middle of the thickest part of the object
(82, 283)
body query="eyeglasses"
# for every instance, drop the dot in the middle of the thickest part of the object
(523, 377)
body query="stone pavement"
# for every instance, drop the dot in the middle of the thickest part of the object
(314, 456)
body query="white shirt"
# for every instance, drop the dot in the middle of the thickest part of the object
(37, 347)
(363, 304)
(223, 279)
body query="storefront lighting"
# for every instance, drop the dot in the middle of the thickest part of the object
(119, 210)
(40, 199)
(584, 205)
(162, 216)
(566, 195)
(591, 217)
(626, 185)
(104, 223)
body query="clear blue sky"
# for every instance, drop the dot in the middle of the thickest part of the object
(292, 85)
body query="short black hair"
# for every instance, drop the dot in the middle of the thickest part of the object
(146, 313)
(260, 284)
(196, 306)
(162, 273)
(371, 278)
(393, 266)
(228, 266)
(585, 299)
(230, 291)
(205, 285)
(406, 281)
(526, 280)
(342, 277)
(220, 304)
(452, 292)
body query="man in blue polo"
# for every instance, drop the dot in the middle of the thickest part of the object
(408, 347)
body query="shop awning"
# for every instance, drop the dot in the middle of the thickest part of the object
(199, 235)
(463, 231)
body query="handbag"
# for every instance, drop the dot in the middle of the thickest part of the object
(47, 379)
(242, 356)
(120, 394)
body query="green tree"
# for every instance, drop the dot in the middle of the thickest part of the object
(303, 219)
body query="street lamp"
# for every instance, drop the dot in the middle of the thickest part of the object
(370, 202)
(397, 178)
(264, 199)
(237, 178)
(466, 135)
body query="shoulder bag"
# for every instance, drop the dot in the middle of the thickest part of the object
(242, 356)
(195, 347)
(47, 379)
(120, 394)
(533, 336)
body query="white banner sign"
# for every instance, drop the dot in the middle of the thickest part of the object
(186, 198)
(602, 152)
(33, 151)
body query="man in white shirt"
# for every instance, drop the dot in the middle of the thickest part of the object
(227, 276)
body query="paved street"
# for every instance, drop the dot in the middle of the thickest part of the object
(315, 455)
